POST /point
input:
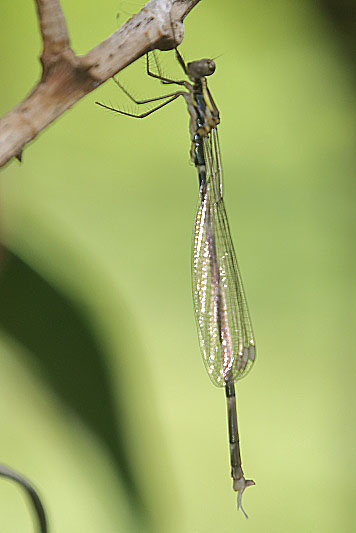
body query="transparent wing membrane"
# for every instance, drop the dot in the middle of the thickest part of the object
(224, 326)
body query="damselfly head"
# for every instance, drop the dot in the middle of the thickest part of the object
(200, 69)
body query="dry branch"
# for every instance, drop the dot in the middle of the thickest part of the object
(66, 78)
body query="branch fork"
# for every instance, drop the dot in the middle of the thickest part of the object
(66, 77)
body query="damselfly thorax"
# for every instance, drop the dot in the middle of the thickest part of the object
(204, 115)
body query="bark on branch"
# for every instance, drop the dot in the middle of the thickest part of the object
(66, 78)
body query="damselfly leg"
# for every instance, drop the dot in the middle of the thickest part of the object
(172, 96)
(159, 76)
(148, 100)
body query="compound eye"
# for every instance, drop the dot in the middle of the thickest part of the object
(211, 66)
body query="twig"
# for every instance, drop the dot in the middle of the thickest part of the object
(66, 77)
(5, 471)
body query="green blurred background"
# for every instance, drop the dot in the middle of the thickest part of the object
(104, 401)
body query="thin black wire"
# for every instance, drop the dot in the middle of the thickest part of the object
(7, 472)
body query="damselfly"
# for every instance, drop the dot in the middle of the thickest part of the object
(224, 327)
